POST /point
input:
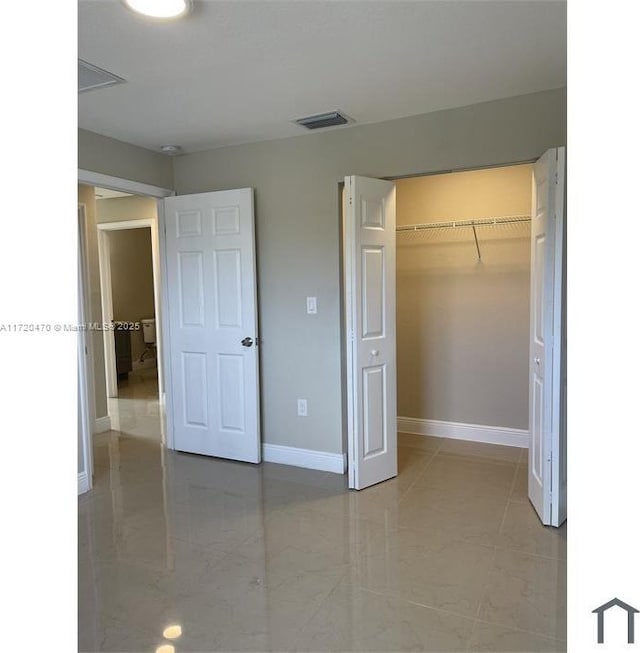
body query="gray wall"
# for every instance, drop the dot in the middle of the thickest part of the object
(119, 209)
(463, 325)
(298, 231)
(110, 157)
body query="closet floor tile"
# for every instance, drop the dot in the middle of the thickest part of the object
(468, 476)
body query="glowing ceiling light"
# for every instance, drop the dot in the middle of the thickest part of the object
(160, 8)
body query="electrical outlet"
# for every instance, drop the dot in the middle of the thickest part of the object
(302, 407)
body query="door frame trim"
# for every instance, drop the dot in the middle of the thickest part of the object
(124, 185)
(91, 178)
(86, 398)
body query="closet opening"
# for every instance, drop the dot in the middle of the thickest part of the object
(462, 304)
(454, 323)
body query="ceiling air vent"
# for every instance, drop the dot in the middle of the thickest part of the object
(323, 120)
(90, 77)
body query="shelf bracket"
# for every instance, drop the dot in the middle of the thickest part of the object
(475, 235)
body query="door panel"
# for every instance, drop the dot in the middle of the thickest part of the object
(211, 288)
(369, 237)
(373, 391)
(546, 401)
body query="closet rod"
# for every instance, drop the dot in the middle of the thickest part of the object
(478, 222)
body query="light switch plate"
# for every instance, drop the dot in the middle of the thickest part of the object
(302, 407)
(312, 305)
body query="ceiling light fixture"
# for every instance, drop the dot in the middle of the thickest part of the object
(171, 149)
(159, 8)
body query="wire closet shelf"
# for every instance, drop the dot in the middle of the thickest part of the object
(475, 222)
(472, 223)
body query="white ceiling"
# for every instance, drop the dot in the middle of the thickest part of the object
(241, 71)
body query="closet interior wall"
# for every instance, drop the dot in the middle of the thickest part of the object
(463, 324)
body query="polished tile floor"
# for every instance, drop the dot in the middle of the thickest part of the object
(448, 556)
(136, 411)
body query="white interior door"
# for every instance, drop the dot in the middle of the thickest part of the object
(370, 298)
(213, 330)
(547, 446)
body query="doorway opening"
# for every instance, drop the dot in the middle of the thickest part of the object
(93, 375)
(130, 291)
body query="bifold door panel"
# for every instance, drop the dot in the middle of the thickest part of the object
(370, 283)
(547, 443)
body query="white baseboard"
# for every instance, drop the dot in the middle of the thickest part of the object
(83, 482)
(308, 458)
(102, 424)
(472, 432)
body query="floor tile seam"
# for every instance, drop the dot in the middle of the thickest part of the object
(513, 481)
(487, 579)
(412, 484)
(460, 490)
(529, 553)
(418, 530)
(433, 450)
(399, 597)
(449, 455)
(321, 604)
(523, 454)
(471, 634)
(224, 554)
(506, 507)
(520, 630)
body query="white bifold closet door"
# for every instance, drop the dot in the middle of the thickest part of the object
(370, 291)
(547, 378)
(212, 320)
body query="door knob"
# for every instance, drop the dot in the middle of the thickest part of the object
(374, 352)
(536, 360)
(246, 342)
